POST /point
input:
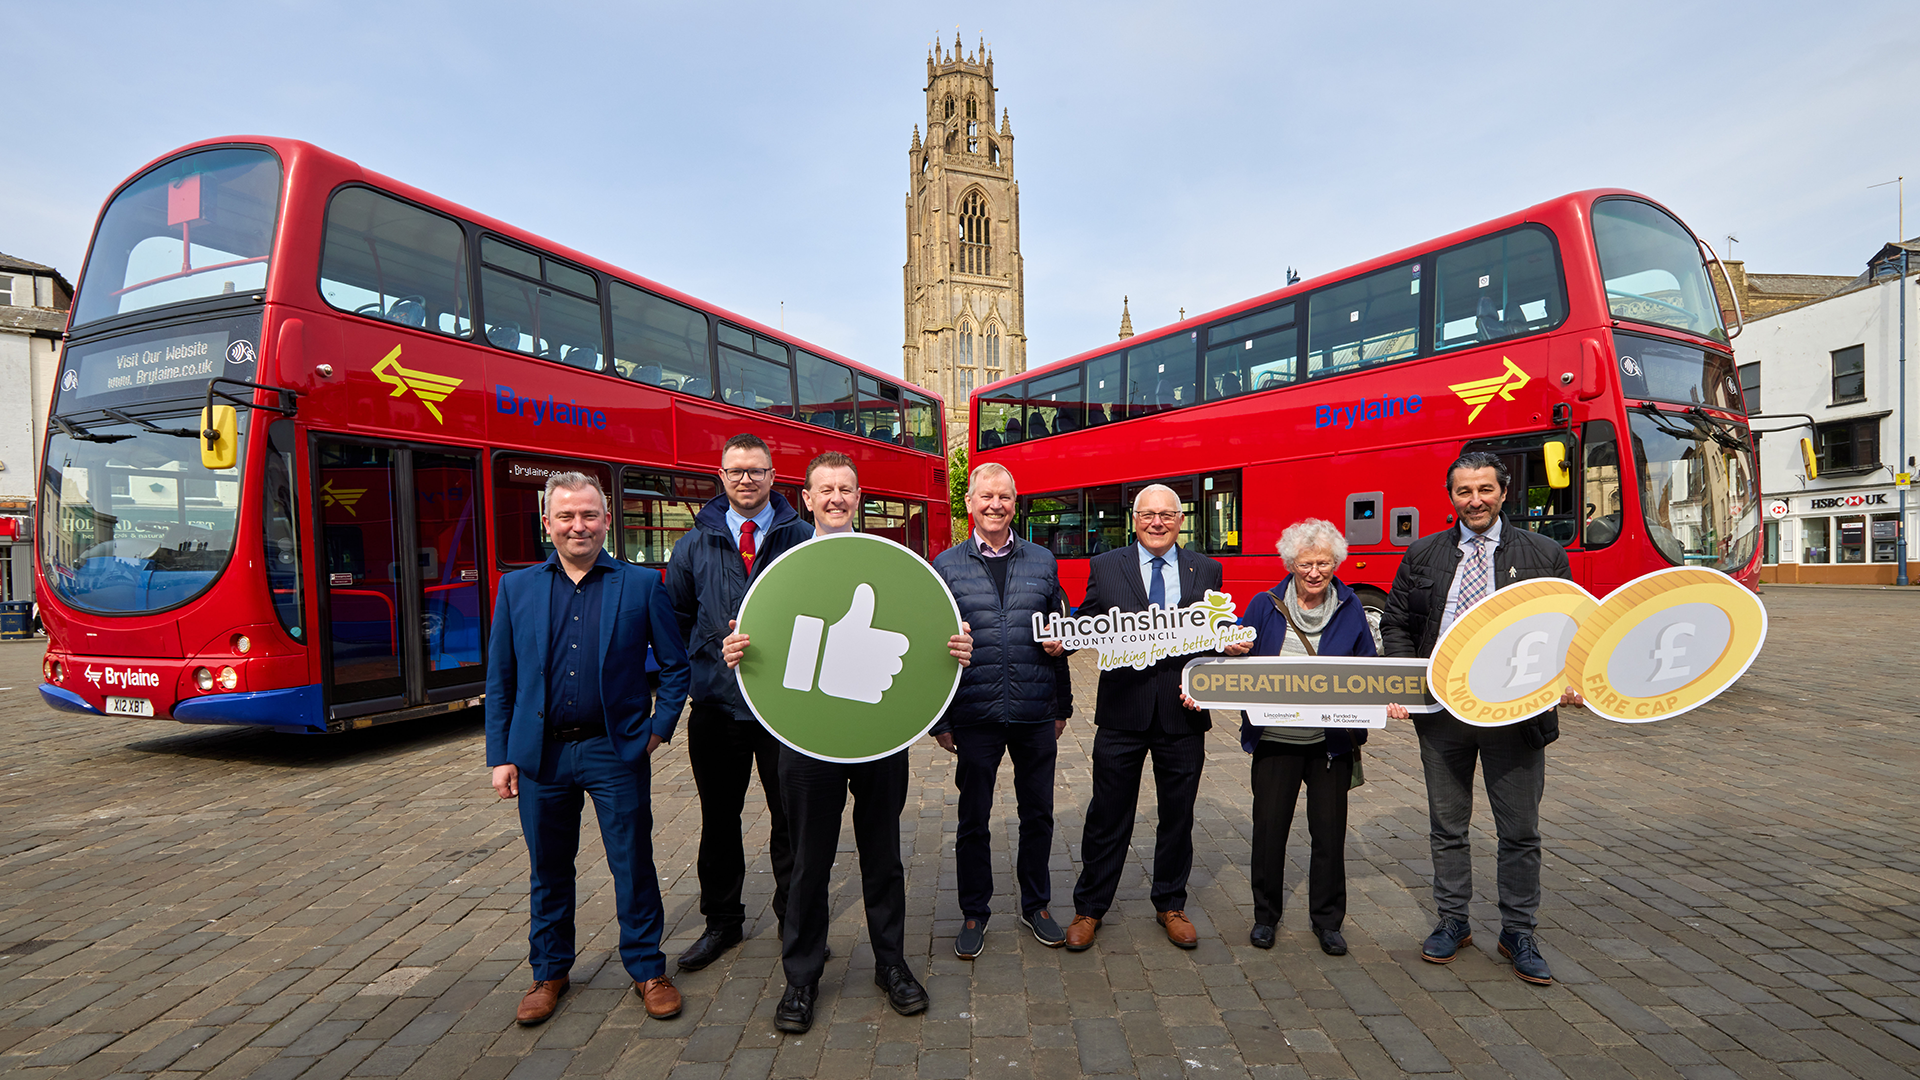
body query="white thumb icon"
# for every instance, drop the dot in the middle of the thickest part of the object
(860, 660)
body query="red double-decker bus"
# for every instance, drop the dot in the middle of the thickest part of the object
(403, 375)
(1579, 339)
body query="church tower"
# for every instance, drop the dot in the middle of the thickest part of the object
(964, 285)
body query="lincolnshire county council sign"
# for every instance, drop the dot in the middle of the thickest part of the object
(849, 659)
(1141, 639)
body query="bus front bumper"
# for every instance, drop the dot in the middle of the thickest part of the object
(298, 710)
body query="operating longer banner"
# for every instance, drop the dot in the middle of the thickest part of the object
(1310, 691)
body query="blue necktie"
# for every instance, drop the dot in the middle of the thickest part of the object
(1157, 592)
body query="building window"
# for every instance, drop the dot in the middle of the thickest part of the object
(6, 290)
(1750, 387)
(973, 113)
(1849, 446)
(966, 344)
(1813, 541)
(966, 382)
(976, 251)
(1850, 374)
(949, 106)
(993, 353)
(1770, 543)
(993, 152)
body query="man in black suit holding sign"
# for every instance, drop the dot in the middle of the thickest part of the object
(1137, 713)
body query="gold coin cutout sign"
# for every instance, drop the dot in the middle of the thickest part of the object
(1666, 643)
(1504, 659)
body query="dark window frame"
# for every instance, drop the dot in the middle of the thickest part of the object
(469, 261)
(1861, 437)
(481, 266)
(1749, 395)
(1857, 354)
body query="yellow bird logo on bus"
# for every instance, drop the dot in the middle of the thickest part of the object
(431, 389)
(344, 498)
(1481, 391)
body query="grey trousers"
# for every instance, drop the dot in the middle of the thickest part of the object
(1516, 778)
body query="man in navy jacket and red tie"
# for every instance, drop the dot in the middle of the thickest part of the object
(569, 713)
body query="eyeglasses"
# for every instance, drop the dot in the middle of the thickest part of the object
(1314, 567)
(1168, 516)
(755, 475)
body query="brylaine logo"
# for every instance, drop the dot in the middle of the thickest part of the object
(127, 678)
(344, 498)
(431, 389)
(1481, 391)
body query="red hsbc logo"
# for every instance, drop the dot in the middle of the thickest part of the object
(1837, 502)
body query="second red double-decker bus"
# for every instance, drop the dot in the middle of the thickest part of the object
(397, 377)
(1579, 339)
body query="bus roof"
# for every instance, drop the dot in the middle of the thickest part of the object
(294, 153)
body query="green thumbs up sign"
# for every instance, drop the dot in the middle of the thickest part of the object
(849, 659)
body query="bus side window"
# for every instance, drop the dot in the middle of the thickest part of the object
(391, 260)
(659, 342)
(1367, 321)
(1600, 485)
(280, 525)
(1497, 288)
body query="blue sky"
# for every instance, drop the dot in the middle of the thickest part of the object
(1184, 155)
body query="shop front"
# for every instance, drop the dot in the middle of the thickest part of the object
(1850, 538)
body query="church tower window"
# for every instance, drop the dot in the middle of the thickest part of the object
(949, 106)
(993, 354)
(976, 250)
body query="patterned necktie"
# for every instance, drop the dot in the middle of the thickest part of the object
(1157, 592)
(1476, 576)
(746, 545)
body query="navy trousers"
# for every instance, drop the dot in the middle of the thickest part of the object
(1034, 749)
(550, 806)
(1118, 759)
(816, 798)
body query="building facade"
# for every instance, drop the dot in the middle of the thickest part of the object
(1829, 370)
(963, 282)
(33, 319)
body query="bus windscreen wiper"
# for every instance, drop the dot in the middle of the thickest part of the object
(184, 433)
(75, 431)
(1715, 429)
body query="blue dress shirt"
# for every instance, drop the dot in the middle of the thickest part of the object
(573, 649)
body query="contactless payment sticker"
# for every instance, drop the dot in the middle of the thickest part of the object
(848, 658)
(1666, 643)
(1504, 658)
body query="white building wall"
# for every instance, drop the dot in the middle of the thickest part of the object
(1794, 349)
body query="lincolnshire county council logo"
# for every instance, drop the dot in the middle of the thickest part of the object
(431, 389)
(1480, 391)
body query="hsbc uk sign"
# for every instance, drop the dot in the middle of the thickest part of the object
(1837, 502)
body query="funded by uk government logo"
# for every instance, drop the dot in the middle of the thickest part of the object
(849, 659)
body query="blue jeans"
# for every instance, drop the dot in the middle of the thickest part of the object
(1516, 778)
(550, 805)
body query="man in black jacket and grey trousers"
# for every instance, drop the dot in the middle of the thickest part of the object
(736, 535)
(1013, 701)
(1440, 577)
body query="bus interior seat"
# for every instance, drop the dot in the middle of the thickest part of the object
(1013, 429)
(504, 335)
(1487, 322)
(697, 387)
(1230, 384)
(883, 432)
(1037, 426)
(1096, 415)
(409, 311)
(1602, 531)
(1064, 422)
(990, 439)
(575, 354)
(648, 373)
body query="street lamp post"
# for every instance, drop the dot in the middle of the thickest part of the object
(1900, 541)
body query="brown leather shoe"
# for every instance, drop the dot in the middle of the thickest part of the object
(1179, 930)
(663, 1000)
(1080, 932)
(541, 1000)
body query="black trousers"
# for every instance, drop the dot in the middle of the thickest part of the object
(1118, 759)
(723, 753)
(1033, 748)
(1279, 770)
(816, 796)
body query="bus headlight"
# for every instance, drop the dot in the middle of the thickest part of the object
(242, 644)
(228, 679)
(54, 670)
(203, 678)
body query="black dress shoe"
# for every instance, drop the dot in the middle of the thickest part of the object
(904, 992)
(707, 948)
(1331, 942)
(794, 1014)
(1261, 936)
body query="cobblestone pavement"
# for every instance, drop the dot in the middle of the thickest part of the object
(1730, 894)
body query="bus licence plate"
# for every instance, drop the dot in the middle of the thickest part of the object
(129, 706)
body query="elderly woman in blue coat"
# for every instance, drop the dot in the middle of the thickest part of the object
(1310, 612)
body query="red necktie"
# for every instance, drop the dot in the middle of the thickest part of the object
(746, 545)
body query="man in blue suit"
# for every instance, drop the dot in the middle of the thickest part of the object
(568, 715)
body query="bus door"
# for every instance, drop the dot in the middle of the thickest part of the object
(401, 598)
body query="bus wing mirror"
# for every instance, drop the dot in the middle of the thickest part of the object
(219, 437)
(1559, 472)
(1809, 459)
